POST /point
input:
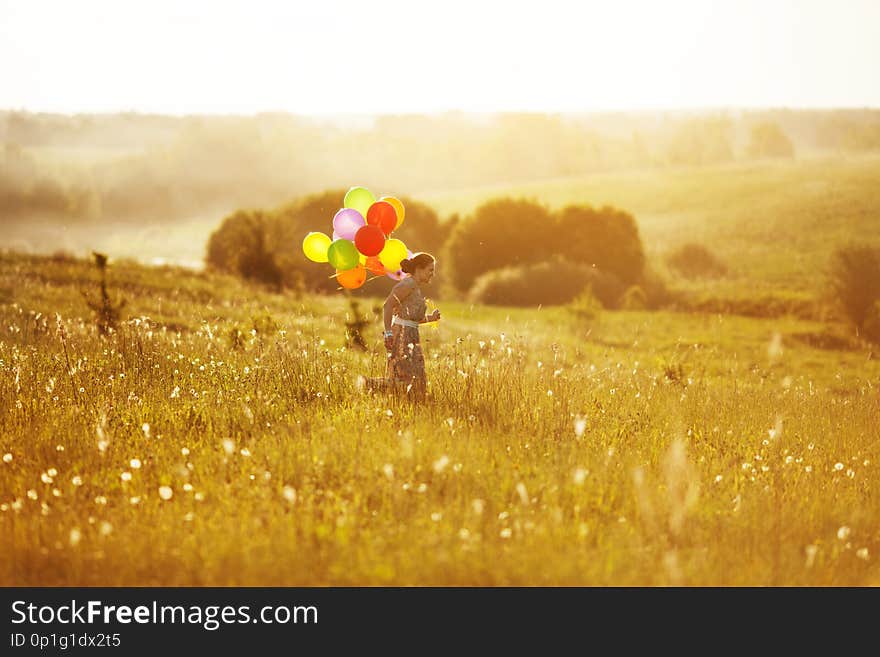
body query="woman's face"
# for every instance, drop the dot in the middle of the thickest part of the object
(426, 273)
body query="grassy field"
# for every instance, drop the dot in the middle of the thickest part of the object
(774, 223)
(632, 449)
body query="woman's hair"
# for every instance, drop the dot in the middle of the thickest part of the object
(418, 261)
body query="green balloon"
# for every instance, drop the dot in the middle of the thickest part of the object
(360, 199)
(343, 255)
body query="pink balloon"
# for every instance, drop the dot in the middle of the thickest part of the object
(347, 222)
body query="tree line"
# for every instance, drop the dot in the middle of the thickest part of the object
(131, 167)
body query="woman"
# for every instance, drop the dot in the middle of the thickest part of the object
(403, 312)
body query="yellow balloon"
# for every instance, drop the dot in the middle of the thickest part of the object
(398, 208)
(362, 259)
(392, 254)
(315, 246)
(360, 199)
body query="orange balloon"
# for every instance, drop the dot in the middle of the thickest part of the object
(352, 279)
(398, 208)
(375, 266)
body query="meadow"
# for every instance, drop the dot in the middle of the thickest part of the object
(773, 222)
(220, 437)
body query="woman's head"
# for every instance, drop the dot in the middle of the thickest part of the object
(420, 266)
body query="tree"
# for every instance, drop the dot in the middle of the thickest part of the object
(701, 142)
(500, 233)
(693, 260)
(854, 281)
(243, 245)
(607, 239)
(769, 140)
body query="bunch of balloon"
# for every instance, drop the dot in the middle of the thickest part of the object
(361, 239)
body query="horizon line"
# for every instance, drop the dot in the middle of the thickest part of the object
(439, 112)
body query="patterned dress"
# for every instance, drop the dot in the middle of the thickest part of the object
(406, 362)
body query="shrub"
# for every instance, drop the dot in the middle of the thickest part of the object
(657, 293)
(696, 261)
(854, 282)
(871, 327)
(244, 245)
(552, 282)
(769, 140)
(634, 299)
(606, 238)
(585, 307)
(501, 233)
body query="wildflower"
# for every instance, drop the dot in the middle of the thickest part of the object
(838, 466)
(843, 533)
(523, 494)
(75, 536)
(441, 463)
(188, 487)
(134, 500)
(436, 516)
(478, 505)
(7, 458)
(77, 480)
(580, 425)
(135, 463)
(580, 476)
(185, 451)
(228, 446)
(289, 494)
(774, 349)
(863, 554)
(165, 492)
(811, 551)
(245, 451)
(32, 494)
(146, 429)
(45, 478)
(505, 533)
(106, 528)
(125, 476)
(388, 471)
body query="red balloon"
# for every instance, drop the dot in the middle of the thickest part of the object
(369, 240)
(375, 266)
(383, 215)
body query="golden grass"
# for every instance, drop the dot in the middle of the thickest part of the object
(642, 449)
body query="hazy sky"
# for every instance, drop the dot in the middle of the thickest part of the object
(365, 56)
